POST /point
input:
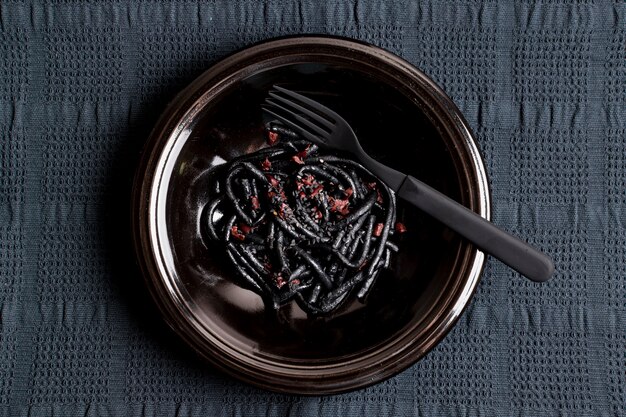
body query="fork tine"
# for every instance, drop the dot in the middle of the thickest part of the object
(312, 103)
(302, 131)
(312, 126)
(315, 116)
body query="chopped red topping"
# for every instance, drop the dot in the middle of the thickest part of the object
(245, 228)
(297, 160)
(255, 202)
(308, 179)
(400, 227)
(271, 194)
(302, 195)
(371, 185)
(266, 165)
(279, 280)
(317, 190)
(378, 229)
(349, 192)
(236, 233)
(303, 153)
(340, 205)
(272, 137)
(295, 281)
(272, 180)
(318, 214)
(281, 212)
(379, 197)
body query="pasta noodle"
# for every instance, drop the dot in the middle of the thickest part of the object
(301, 223)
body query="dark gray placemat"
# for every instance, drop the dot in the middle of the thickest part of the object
(542, 82)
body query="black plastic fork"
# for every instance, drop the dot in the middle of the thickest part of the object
(321, 125)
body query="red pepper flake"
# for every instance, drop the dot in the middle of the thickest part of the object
(400, 227)
(378, 229)
(281, 211)
(271, 194)
(267, 266)
(371, 185)
(255, 202)
(317, 190)
(272, 180)
(303, 153)
(308, 179)
(297, 160)
(272, 137)
(349, 192)
(245, 228)
(279, 281)
(266, 165)
(340, 205)
(236, 233)
(302, 195)
(318, 214)
(379, 197)
(295, 281)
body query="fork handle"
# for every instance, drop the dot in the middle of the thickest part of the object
(512, 251)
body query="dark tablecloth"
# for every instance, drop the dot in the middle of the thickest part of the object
(542, 83)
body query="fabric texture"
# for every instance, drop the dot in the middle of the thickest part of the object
(541, 82)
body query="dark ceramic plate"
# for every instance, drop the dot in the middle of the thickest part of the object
(403, 120)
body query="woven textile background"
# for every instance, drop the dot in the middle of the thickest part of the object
(542, 83)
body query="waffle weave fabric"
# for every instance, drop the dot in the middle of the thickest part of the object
(541, 82)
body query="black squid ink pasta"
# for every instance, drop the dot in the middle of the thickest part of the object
(299, 222)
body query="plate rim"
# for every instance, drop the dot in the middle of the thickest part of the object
(281, 378)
